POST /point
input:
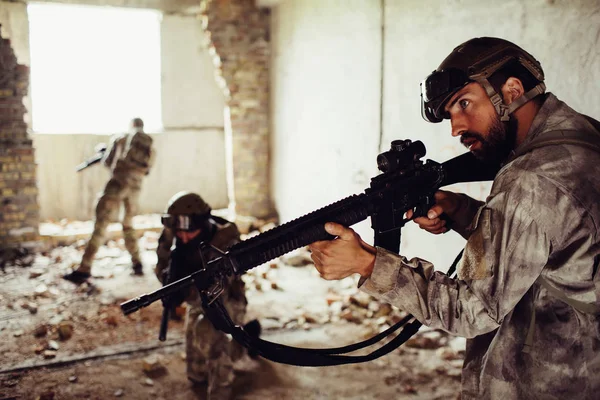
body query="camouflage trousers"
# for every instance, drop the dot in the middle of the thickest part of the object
(109, 204)
(210, 353)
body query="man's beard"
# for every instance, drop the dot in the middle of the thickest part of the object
(498, 143)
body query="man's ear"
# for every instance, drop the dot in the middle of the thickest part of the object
(512, 90)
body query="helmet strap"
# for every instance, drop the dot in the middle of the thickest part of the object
(502, 109)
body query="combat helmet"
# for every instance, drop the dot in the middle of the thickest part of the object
(186, 211)
(481, 60)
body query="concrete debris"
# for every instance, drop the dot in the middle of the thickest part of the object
(458, 344)
(447, 354)
(271, 323)
(297, 258)
(65, 330)
(55, 320)
(47, 395)
(39, 348)
(35, 273)
(383, 311)
(30, 306)
(333, 297)
(153, 363)
(40, 330)
(422, 342)
(50, 354)
(53, 345)
(409, 389)
(110, 320)
(361, 299)
(41, 290)
(62, 307)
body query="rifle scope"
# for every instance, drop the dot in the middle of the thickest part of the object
(402, 154)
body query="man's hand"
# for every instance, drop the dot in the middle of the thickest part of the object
(345, 255)
(445, 203)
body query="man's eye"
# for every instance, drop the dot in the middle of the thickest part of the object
(464, 103)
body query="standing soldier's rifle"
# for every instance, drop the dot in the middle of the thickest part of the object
(406, 183)
(96, 158)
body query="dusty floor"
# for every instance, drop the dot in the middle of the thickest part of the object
(66, 342)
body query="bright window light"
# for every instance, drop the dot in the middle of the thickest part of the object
(93, 69)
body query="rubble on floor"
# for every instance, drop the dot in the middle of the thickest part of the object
(52, 323)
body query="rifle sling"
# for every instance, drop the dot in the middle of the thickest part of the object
(304, 357)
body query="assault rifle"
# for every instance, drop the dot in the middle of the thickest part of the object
(406, 183)
(96, 158)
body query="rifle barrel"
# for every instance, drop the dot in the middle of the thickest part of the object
(146, 299)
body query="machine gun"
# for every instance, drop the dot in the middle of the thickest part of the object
(406, 183)
(96, 158)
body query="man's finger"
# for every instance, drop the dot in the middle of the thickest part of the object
(339, 230)
(435, 212)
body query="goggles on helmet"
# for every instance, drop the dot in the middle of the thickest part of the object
(189, 222)
(437, 89)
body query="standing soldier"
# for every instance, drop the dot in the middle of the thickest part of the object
(188, 224)
(129, 157)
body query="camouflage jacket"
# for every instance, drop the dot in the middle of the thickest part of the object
(527, 291)
(226, 235)
(130, 157)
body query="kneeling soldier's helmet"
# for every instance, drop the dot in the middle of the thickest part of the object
(186, 211)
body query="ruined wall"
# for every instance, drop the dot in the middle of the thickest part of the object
(19, 211)
(238, 33)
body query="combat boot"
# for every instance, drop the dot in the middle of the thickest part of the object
(138, 269)
(77, 277)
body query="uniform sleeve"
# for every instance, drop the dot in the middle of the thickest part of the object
(163, 253)
(512, 237)
(111, 151)
(463, 217)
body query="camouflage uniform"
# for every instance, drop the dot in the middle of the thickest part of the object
(129, 157)
(527, 295)
(210, 353)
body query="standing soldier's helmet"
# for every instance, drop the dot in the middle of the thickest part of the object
(488, 61)
(137, 123)
(186, 211)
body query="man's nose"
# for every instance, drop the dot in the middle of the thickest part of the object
(185, 238)
(458, 126)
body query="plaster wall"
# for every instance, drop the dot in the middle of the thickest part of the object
(191, 96)
(326, 87)
(184, 162)
(326, 65)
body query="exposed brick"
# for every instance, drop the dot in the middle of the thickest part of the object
(19, 210)
(238, 34)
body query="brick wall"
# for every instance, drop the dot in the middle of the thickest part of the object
(238, 36)
(19, 211)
